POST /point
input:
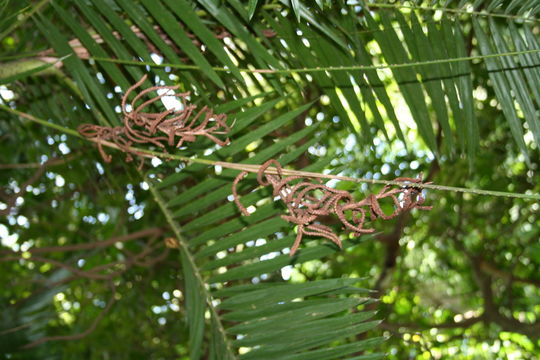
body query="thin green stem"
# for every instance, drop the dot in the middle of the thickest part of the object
(427, 8)
(320, 69)
(271, 170)
(16, 70)
(40, 121)
(453, 11)
(25, 56)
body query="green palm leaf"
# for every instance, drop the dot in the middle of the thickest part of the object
(219, 52)
(503, 81)
(211, 228)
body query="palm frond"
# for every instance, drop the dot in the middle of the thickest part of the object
(513, 81)
(220, 247)
(268, 329)
(113, 43)
(249, 51)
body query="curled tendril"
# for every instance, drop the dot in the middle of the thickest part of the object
(308, 203)
(167, 128)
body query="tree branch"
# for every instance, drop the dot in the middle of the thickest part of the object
(491, 310)
(420, 327)
(51, 162)
(494, 270)
(156, 231)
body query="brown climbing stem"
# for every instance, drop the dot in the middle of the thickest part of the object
(171, 127)
(308, 202)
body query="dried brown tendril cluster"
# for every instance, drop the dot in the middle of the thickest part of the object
(170, 127)
(309, 202)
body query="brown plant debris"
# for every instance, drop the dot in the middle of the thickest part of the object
(308, 203)
(172, 243)
(170, 127)
(76, 45)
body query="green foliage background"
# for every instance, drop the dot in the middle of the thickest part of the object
(447, 89)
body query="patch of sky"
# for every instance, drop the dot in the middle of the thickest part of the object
(270, 256)
(317, 150)
(100, 78)
(23, 221)
(103, 218)
(286, 272)
(130, 195)
(136, 210)
(89, 219)
(7, 239)
(100, 169)
(6, 94)
(350, 143)
(59, 181)
(64, 149)
(332, 183)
